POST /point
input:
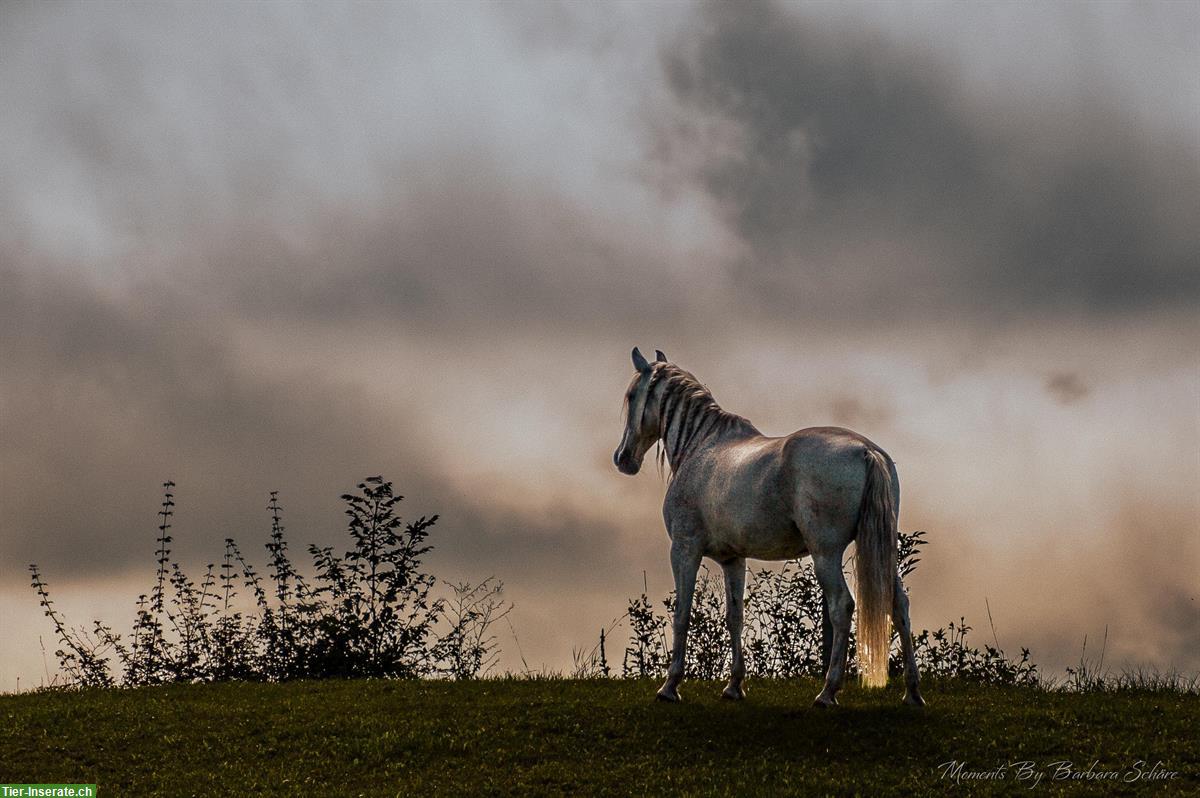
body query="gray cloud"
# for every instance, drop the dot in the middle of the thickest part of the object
(872, 180)
(851, 411)
(1067, 387)
(349, 171)
(118, 398)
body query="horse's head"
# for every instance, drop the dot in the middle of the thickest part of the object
(641, 415)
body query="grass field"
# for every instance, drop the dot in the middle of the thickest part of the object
(380, 738)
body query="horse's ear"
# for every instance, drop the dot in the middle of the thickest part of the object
(659, 357)
(639, 362)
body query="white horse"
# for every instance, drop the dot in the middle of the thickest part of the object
(735, 493)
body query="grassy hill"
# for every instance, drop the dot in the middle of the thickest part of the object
(386, 738)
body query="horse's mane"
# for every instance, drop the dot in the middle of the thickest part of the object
(687, 414)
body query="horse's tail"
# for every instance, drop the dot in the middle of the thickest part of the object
(875, 570)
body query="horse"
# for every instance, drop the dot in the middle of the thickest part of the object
(735, 493)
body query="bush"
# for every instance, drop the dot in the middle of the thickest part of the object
(782, 632)
(370, 611)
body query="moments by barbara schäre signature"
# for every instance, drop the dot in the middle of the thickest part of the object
(1030, 773)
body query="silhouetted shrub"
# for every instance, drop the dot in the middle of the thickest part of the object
(782, 632)
(647, 653)
(367, 611)
(82, 657)
(468, 649)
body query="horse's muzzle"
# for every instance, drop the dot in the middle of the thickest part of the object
(625, 462)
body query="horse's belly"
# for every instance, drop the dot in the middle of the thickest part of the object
(755, 542)
(761, 529)
(785, 546)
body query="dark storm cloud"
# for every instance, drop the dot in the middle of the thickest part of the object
(553, 553)
(116, 398)
(347, 171)
(871, 178)
(458, 254)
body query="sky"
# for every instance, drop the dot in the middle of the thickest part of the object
(255, 247)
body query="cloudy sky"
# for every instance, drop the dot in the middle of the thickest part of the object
(251, 247)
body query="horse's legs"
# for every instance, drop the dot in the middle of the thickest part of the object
(735, 587)
(912, 695)
(685, 561)
(841, 607)
(826, 634)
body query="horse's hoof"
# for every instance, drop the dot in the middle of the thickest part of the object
(670, 696)
(733, 693)
(913, 699)
(825, 702)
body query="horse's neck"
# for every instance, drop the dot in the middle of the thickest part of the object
(717, 423)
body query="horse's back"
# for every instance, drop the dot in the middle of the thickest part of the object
(832, 440)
